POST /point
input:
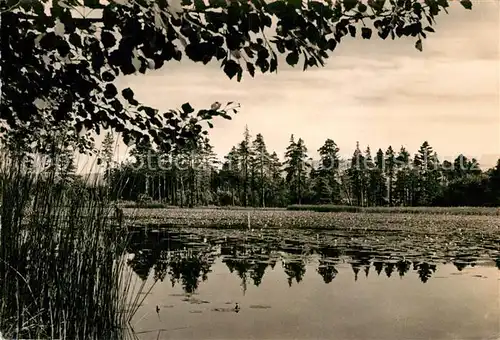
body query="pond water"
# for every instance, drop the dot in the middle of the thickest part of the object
(310, 284)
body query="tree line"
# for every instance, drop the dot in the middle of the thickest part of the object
(252, 176)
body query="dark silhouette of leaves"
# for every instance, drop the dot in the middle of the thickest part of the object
(418, 45)
(187, 108)
(231, 68)
(73, 60)
(128, 94)
(292, 58)
(366, 33)
(466, 3)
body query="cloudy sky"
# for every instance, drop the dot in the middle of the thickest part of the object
(379, 93)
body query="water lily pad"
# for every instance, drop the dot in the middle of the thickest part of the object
(225, 310)
(195, 301)
(260, 306)
(182, 294)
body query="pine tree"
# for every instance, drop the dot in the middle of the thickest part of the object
(277, 191)
(403, 190)
(143, 153)
(296, 169)
(379, 179)
(428, 170)
(230, 179)
(208, 172)
(369, 177)
(356, 174)
(390, 172)
(494, 184)
(328, 172)
(244, 152)
(261, 157)
(322, 190)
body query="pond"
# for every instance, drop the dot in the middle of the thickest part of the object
(316, 284)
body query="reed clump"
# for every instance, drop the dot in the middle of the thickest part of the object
(63, 268)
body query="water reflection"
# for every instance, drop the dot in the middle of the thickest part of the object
(301, 284)
(187, 256)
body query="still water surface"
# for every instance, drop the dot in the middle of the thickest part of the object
(315, 285)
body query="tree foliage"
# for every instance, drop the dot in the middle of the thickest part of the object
(58, 66)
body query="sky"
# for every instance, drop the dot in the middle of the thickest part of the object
(377, 92)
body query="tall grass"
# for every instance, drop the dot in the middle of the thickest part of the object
(63, 271)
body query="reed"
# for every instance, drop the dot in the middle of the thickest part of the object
(63, 271)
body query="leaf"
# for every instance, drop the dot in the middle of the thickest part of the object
(107, 39)
(149, 111)
(128, 94)
(349, 4)
(352, 30)
(231, 68)
(295, 3)
(383, 33)
(251, 69)
(199, 5)
(366, 32)
(75, 39)
(467, 4)
(210, 124)
(280, 46)
(429, 29)
(332, 44)
(110, 91)
(418, 45)
(108, 76)
(273, 65)
(254, 22)
(48, 41)
(187, 108)
(362, 7)
(92, 4)
(292, 58)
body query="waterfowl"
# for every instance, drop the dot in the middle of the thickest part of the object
(237, 308)
(157, 309)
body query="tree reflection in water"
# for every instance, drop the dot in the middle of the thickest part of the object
(327, 271)
(187, 258)
(294, 269)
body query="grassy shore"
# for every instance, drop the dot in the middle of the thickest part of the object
(488, 211)
(159, 205)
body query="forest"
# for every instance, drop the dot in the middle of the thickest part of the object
(250, 175)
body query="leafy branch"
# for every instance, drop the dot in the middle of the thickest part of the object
(82, 56)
